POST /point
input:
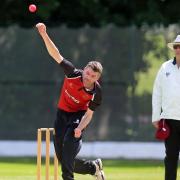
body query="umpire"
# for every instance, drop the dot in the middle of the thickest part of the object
(166, 105)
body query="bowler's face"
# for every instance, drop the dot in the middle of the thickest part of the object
(89, 76)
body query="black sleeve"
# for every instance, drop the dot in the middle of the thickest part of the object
(96, 101)
(68, 67)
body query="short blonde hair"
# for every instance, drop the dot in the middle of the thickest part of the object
(95, 66)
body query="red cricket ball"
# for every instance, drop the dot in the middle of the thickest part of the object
(32, 8)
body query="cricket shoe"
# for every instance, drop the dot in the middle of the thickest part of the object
(99, 174)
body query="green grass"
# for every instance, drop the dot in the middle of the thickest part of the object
(25, 169)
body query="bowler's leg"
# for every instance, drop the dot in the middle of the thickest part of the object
(83, 166)
(71, 147)
(90, 167)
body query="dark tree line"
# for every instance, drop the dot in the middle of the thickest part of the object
(96, 13)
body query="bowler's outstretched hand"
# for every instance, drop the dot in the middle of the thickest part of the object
(51, 47)
(41, 28)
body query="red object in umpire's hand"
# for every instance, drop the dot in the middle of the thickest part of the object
(163, 130)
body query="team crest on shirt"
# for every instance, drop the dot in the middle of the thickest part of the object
(167, 74)
(85, 97)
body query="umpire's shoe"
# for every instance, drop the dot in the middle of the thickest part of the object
(99, 174)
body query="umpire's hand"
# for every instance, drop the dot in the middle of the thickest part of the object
(77, 133)
(156, 124)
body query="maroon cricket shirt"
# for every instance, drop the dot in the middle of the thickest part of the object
(74, 97)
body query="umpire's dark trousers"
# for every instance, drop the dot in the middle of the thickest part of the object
(172, 146)
(67, 146)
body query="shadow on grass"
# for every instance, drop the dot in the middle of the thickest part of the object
(133, 163)
(106, 162)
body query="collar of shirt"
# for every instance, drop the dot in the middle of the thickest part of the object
(174, 61)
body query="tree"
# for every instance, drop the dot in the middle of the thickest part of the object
(96, 13)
